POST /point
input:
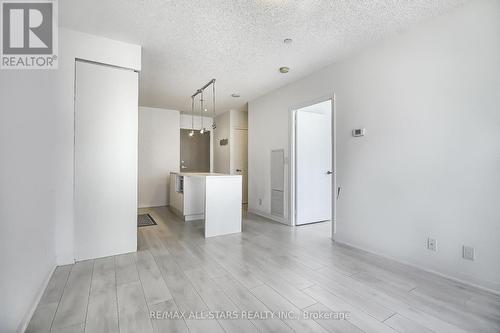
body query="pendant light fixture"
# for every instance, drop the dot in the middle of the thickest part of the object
(202, 106)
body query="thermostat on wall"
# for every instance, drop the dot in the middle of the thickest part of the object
(358, 132)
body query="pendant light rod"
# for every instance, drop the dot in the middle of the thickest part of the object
(214, 126)
(192, 117)
(199, 91)
(202, 128)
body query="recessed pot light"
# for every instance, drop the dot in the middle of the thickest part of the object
(284, 70)
(235, 95)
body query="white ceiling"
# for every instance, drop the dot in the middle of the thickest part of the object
(239, 42)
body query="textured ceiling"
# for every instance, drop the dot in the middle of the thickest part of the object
(239, 42)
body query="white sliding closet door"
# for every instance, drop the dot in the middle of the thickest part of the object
(106, 134)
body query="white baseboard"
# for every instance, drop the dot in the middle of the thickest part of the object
(195, 217)
(452, 278)
(176, 211)
(268, 216)
(152, 205)
(26, 320)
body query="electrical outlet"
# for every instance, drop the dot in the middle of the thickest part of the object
(468, 252)
(260, 202)
(431, 244)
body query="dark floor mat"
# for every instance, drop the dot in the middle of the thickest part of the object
(144, 220)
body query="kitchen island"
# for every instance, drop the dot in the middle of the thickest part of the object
(212, 197)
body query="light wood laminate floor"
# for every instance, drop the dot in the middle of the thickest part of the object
(268, 267)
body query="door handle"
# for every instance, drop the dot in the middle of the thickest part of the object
(329, 172)
(238, 170)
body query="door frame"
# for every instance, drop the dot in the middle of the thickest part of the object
(292, 160)
(232, 168)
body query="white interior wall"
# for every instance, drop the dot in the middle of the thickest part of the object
(238, 119)
(221, 153)
(27, 177)
(226, 124)
(428, 166)
(188, 122)
(74, 45)
(159, 154)
(268, 129)
(37, 141)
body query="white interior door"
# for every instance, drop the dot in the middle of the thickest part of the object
(313, 163)
(106, 134)
(240, 160)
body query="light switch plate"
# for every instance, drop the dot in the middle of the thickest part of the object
(358, 132)
(468, 252)
(431, 244)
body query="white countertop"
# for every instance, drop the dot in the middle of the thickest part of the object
(204, 174)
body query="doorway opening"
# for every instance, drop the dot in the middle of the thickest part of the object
(195, 151)
(313, 176)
